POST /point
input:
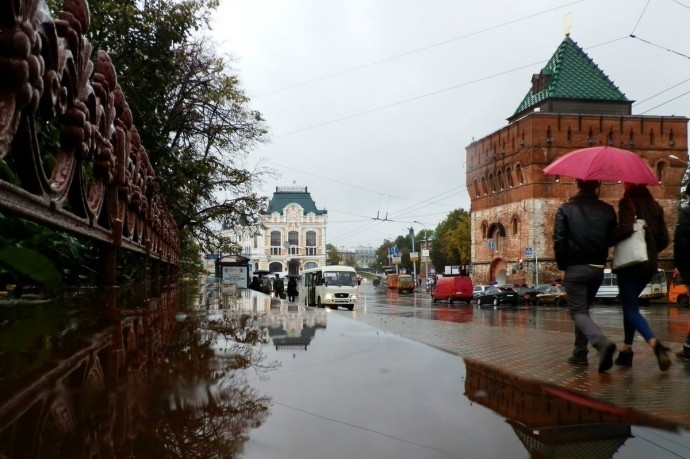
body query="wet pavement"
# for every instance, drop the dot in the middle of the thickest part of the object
(208, 370)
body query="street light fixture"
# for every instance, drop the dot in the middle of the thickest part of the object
(677, 159)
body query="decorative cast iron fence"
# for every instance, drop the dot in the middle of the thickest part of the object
(97, 182)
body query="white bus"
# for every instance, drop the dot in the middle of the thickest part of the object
(654, 290)
(330, 286)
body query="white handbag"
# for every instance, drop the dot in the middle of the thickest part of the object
(633, 250)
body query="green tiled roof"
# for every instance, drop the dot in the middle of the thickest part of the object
(572, 75)
(281, 199)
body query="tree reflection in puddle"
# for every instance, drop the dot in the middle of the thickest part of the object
(119, 379)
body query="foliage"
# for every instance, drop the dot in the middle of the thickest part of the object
(453, 242)
(34, 255)
(332, 255)
(190, 111)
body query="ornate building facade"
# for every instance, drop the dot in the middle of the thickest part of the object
(571, 104)
(293, 237)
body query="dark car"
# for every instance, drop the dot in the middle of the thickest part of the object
(496, 296)
(526, 295)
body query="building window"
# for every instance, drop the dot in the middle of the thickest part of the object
(518, 174)
(311, 243)
(660, 167)
(483, 229)
(484, 186)
(293, 240)
(275, 242)
(509, 177)
(310, 265)
(514, 226)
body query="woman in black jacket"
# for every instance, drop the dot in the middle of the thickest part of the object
(638, 202)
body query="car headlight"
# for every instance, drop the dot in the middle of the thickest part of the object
(328, 296)
(354, 297)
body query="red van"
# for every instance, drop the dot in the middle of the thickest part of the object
(453, 288)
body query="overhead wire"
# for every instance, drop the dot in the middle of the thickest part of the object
(419, 204)
(414, 51)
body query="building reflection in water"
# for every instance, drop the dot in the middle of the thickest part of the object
(552, 422)
(161, 373)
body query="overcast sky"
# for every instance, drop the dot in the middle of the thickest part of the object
(371, 103)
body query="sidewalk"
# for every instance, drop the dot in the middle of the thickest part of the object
(540, 355)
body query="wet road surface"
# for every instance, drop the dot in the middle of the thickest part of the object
(207, 370)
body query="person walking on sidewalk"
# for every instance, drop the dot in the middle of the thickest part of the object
(638, 202)
(681, 257)
(583, 232)
(292, 289)
(279, 287)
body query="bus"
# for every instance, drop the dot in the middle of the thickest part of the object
(654, 290)
(330, 286)
(678, 291)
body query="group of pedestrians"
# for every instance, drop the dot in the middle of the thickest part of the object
(277, 286)
(585, 228)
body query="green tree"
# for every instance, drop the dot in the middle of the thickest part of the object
(332, 255)
(192, 116)
(453, 241)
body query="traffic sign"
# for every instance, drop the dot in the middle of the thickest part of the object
(529, 254)
(491, 244)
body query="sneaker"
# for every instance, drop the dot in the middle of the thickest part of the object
(661, 356)
(624, 358)
(606, 356)
(684, 354)
(578, 360)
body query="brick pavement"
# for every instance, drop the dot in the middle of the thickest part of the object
(540, 355)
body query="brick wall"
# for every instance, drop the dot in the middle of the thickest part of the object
(514, 201)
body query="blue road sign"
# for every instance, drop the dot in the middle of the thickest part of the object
(529, 254)
(491, 244)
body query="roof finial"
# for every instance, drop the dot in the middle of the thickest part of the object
(567, 23)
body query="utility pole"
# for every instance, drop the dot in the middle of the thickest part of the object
(414, 264)
(426, 247)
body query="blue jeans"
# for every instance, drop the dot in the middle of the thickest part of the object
(631, 282)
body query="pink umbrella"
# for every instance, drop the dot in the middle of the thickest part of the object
(604, 163)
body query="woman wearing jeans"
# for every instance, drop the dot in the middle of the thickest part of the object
(637, 202)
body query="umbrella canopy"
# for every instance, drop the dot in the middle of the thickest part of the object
(261, 272)
(604, 163)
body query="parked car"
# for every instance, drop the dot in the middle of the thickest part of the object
(552, 295)
(453, 288)
(477, 289)
(496, 296)
(526, 295)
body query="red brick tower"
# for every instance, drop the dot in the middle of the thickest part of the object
(571, 104)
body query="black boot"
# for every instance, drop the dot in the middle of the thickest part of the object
(624, 358)
(578, 358)
(606, 351)
(661, 356)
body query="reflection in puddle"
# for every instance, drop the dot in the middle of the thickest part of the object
(116, 374)
(552, 422)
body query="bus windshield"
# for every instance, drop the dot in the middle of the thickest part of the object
(340, 278)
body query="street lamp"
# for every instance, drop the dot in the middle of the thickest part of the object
(414, 264)
(426, 247)
(677, 159)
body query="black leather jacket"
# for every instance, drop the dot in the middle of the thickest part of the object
(681, 244)
(584, 230)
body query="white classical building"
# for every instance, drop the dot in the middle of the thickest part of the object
(294, 234)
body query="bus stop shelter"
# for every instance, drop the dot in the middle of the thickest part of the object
(233, 268)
